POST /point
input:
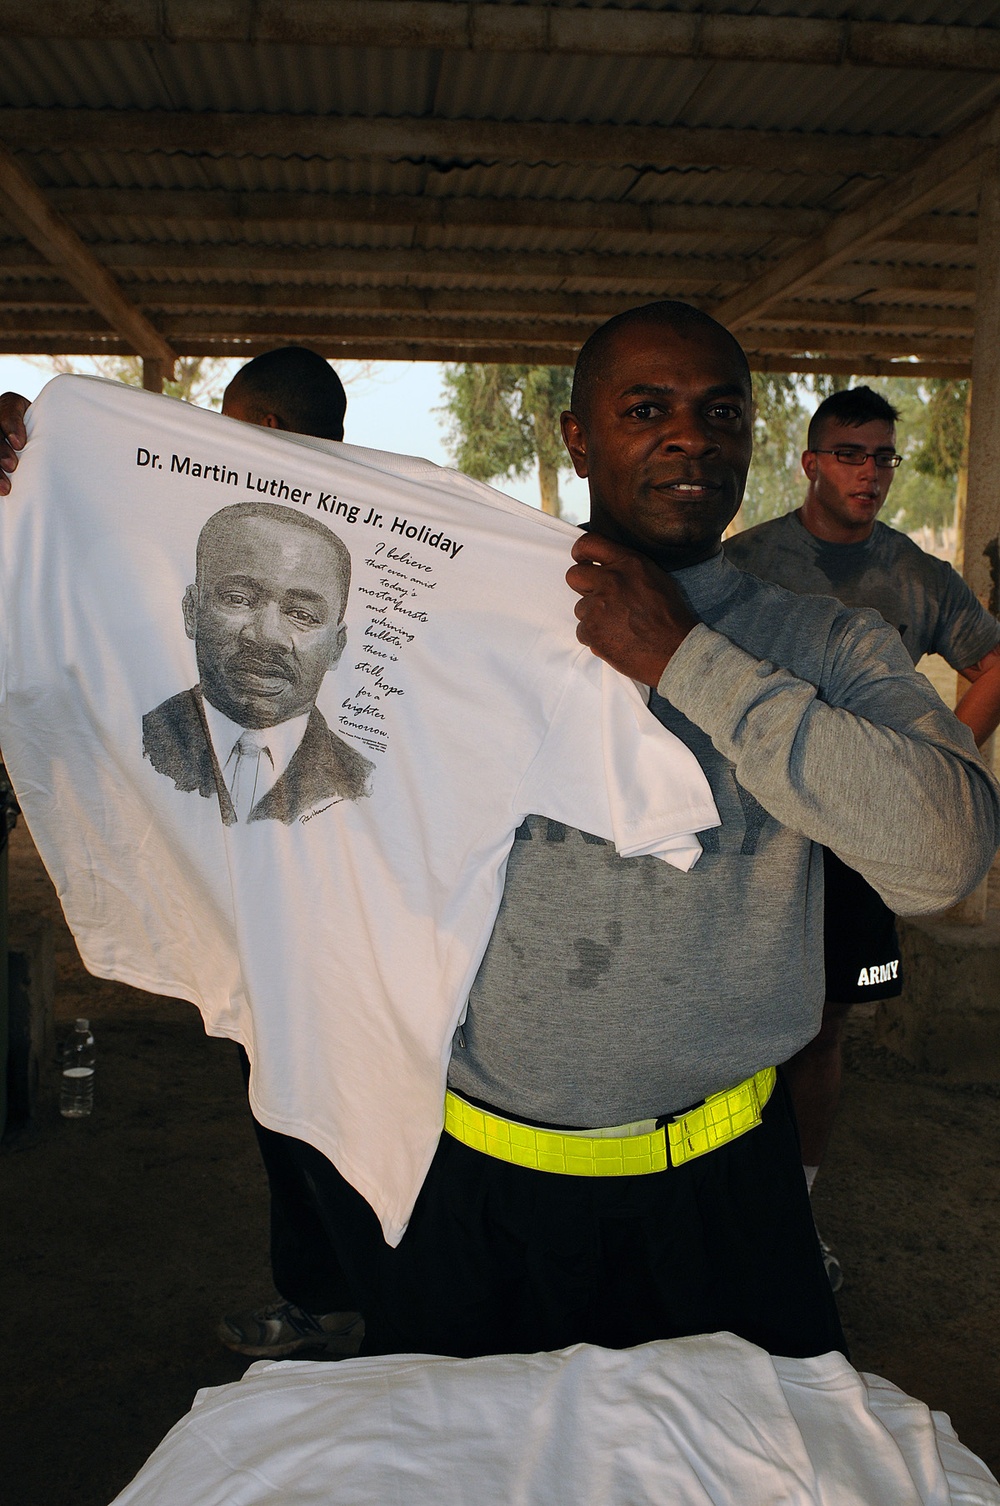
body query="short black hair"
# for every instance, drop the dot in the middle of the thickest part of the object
(853, 406)
(667, 311)
(298, 386)
(221, 522)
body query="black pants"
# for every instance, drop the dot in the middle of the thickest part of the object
(305, 1266)
(501, 1259)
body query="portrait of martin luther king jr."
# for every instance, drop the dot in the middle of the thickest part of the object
(266, 613)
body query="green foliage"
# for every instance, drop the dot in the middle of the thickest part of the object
(919, 498)
(502, 420)
(940, 452)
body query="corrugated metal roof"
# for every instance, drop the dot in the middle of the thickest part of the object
(485, 86)
(582, 226)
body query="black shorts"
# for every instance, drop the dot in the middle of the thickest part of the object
(499, 1259)
(859, 937)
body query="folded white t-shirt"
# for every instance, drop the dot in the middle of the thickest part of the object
(706, 1421)
(322, 888)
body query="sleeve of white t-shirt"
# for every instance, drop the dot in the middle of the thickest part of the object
(607, 766)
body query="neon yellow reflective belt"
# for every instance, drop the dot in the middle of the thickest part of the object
(721, 1118)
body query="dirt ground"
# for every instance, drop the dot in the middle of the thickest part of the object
(127, 1235)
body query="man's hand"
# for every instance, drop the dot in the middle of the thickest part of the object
(13, 436)
(631, 612)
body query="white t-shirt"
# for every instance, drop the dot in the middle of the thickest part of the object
(706, 1421)
(325, 900)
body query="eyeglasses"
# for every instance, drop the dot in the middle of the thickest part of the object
(884, 459)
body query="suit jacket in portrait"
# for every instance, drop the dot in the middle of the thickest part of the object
(323, 768)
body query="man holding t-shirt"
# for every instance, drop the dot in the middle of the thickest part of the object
(834, 545)
(625, 1011)
(618, 1162)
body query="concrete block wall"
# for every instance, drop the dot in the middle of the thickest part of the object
(947, 1019)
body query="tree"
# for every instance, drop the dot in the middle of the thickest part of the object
(945, 432)
(196, 379)
(502, 420)
(930, 440)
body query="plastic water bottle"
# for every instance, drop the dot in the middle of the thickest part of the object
(76, 1093)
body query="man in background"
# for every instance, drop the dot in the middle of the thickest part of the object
(834, 545)
(291, 388)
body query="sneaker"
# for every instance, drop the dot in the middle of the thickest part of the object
(834, 1271)
(273, 1333)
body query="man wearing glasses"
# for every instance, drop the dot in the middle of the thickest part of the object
(834, 545)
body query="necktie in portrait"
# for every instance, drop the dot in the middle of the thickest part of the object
(245, 761)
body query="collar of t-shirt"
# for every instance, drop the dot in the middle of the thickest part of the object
(839, 548)
(279, 743)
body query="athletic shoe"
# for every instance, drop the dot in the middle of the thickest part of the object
(273, 1333)
(834, 1272)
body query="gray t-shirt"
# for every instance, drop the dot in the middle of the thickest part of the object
(619, 989)
(923, 598)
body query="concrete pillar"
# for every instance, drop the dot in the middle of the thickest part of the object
(152, 375)
(979, 551)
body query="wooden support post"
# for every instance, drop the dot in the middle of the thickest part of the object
(31, 992)
(152, 374)
(978, 547)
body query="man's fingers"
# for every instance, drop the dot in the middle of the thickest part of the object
(584, 578)
(593, 548)
(13, 435)
(8, 462)
(13, 407)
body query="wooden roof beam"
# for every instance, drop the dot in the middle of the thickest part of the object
(522, 28)
(623, 217)
(525, 333)
(25, 206)
(335, 350)
(648, 273)
(362, 349)
(937, 230)
(557, 316)
(852, 345)
(862, 366)
(867, 278)
(812, 316)
(218, 133)
(740, 222)
(233, 301)
(854, 230)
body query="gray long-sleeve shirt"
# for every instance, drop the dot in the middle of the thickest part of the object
(619, 989)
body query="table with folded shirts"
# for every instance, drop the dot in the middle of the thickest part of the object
(704, 1421)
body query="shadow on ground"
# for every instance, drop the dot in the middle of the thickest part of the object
(127, 1235)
